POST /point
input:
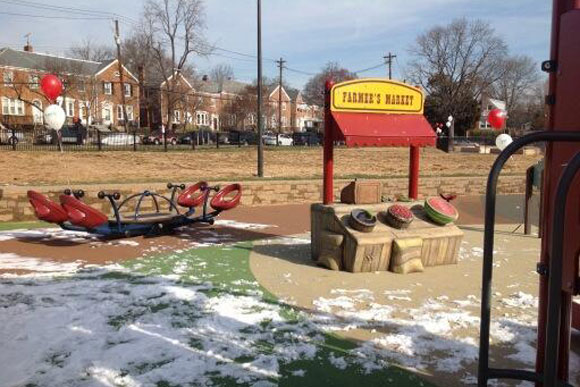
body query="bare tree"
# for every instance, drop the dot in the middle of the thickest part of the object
(175, 30)
(313, 92)
(519, 76)
(460, 60)
(220, 74)
(90, 50)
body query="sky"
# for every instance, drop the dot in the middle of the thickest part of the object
(306, 33)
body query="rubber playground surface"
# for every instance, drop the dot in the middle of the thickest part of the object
(241, 304)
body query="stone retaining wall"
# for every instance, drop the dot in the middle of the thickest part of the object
(14, 204)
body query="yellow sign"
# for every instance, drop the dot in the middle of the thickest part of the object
(376, 96)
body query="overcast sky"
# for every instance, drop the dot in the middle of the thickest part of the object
(307, 33)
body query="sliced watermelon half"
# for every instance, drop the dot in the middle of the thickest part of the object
(440, 210)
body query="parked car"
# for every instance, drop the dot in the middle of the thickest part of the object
(69, 135)
(306, 138)
(281, 139)
(9, 137)
(121, 139)
(244, 137)
(157, 138)
(187, 138)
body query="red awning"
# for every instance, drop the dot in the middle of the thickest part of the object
(360, 129)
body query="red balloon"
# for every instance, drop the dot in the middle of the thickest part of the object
(496, 118)
(51, 86)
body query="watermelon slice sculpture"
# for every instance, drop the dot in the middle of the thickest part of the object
(399, 216)
(440, 211)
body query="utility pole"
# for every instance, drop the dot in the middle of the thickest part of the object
(281, 65)
(120, 65)
(260, 122)
(389, 62)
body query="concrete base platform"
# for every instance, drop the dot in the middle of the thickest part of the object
(356, 251)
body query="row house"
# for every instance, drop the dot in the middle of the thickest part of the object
(488, 104)
(220, 106)
(92, 91)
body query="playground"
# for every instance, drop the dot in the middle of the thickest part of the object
(241, 302)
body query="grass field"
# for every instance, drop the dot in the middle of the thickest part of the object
(32, 168)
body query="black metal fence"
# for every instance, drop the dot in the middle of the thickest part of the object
(81, 139)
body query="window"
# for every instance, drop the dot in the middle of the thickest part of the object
(283, 106)
(108, 88)
(129, 109)
(128, 90)
(107, 114)
(81, 87)
(34, 82)
(82, 112)
(202, 118)
(70, 108)
(119, 112)
(176, 116)
(8, 78)
(12, 107)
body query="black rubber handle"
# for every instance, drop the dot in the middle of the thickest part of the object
(114, 195)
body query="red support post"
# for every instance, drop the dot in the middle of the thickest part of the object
(328, 168)
(414, 172)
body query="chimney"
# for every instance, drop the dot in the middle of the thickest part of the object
(28, 48)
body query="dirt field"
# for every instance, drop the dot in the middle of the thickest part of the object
(28, 168)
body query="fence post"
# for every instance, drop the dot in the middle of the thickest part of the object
(134, 141)
(277, 139)
(99, 147)
(239, 139)
(14, 139)
(217, 140)
(193, 140)
(165, 140)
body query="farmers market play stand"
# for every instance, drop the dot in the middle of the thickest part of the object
(376, 112)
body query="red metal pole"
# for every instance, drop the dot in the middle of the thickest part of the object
(414, 172)
(328, 168)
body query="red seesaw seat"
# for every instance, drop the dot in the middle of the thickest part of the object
(219, 201)
(80, 214)
(45, 209)
(193, 196)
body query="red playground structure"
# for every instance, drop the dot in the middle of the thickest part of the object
(559, 261)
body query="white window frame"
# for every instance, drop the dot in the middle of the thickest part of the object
(108, 88)
(12, 107)
(34, 82)
(130, 112)
(176, 116)
(70, 107)
(8, 78)
(128, 90)
(202, 118)
(119, 112)
(107, 110)
(37, 112)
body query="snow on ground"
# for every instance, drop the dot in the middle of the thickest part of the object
(439, 335)
(46, 234)
(106, 326)
(242, 225)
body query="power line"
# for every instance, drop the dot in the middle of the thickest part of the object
(35, 5)
(369, 68)
(54, 17)
(299, 71)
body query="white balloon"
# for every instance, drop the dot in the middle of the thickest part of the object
(54, 117)
(448, 124)
(450, 118)
(503, 140)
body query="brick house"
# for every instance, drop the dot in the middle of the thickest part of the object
(305, 117)
(92, 90)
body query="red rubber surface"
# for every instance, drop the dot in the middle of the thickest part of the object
(81, 214)
(193, 196)
(45, 209)
(220, 203)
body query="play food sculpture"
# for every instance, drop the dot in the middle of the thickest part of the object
(398, 216)
(362, 220)
(440, 211)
